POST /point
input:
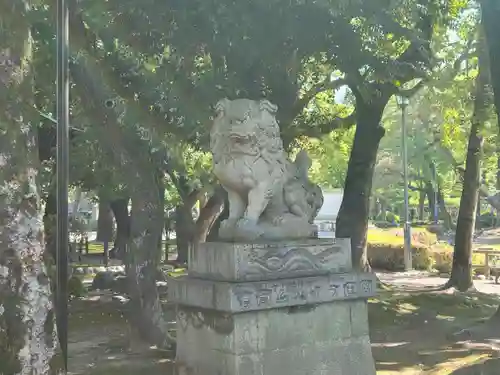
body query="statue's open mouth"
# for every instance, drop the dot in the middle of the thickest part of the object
(240, 137)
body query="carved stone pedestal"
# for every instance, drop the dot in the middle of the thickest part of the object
(273, 309)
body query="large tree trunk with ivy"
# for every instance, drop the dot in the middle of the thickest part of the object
(352, 220)
(490, 17)
(461, 273)
(28, 339)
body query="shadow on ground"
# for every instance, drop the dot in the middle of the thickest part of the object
(422, 333)
(102, 343)
(412, 333)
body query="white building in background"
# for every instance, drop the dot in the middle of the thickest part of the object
(327, 215)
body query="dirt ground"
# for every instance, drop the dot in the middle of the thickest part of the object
(413, 333)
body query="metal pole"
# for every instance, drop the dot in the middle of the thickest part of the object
(62, 171)
(407, 225)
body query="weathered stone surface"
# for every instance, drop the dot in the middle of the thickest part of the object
(313, 341)
(263, 295)
(293, 308)
(265, 261)
(359, 318)
(269, 196)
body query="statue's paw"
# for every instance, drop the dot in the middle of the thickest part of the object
(277, 221)
(246, 223)
(228, 224)
(248, 230)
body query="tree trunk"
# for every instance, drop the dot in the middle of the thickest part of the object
(190, 233)
(209, 214)
(497, 182)
(431, 199)
(147, 216)
(119, 207)
(104, 221)
(184, 232)
(490, 17)
(46, 140)
(161, 192)
(478, 212)
(213, 233)
(461, 273)
(443, 211)
(142, 260)
(49, 224)
(421, 205)
(352, 220)
(28, 340)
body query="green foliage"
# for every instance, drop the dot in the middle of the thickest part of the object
(330, 155)
(386, 249)
(390, 257)
(76, 289)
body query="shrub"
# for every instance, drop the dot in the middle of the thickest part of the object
(418, 235)
(486, 220)
(443, 259)
(421, 236)
(438, 229)
(76, 288)
(385, 224)
(390, 256)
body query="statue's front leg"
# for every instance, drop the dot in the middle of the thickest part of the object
(248, 227)
(237, 207)
(258, 199)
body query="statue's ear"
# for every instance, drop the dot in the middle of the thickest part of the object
(221, 106)
(268, 106)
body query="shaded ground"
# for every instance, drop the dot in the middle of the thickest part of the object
(101, 342)
(421, 333)
(413, 331)
(423, 280)
(412, 334)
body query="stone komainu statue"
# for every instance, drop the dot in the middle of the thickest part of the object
(269, 196)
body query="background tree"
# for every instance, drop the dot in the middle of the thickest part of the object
(490, 13)
(461, 274)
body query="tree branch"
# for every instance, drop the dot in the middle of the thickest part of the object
(316, 131)
(455, 69)
(322, 86)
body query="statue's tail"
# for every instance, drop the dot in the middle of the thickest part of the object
(302, 162)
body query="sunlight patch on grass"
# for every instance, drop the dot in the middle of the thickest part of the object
(401, 308)
(450, 366)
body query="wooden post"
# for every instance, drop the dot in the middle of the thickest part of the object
(86, 245)
(487, 271)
